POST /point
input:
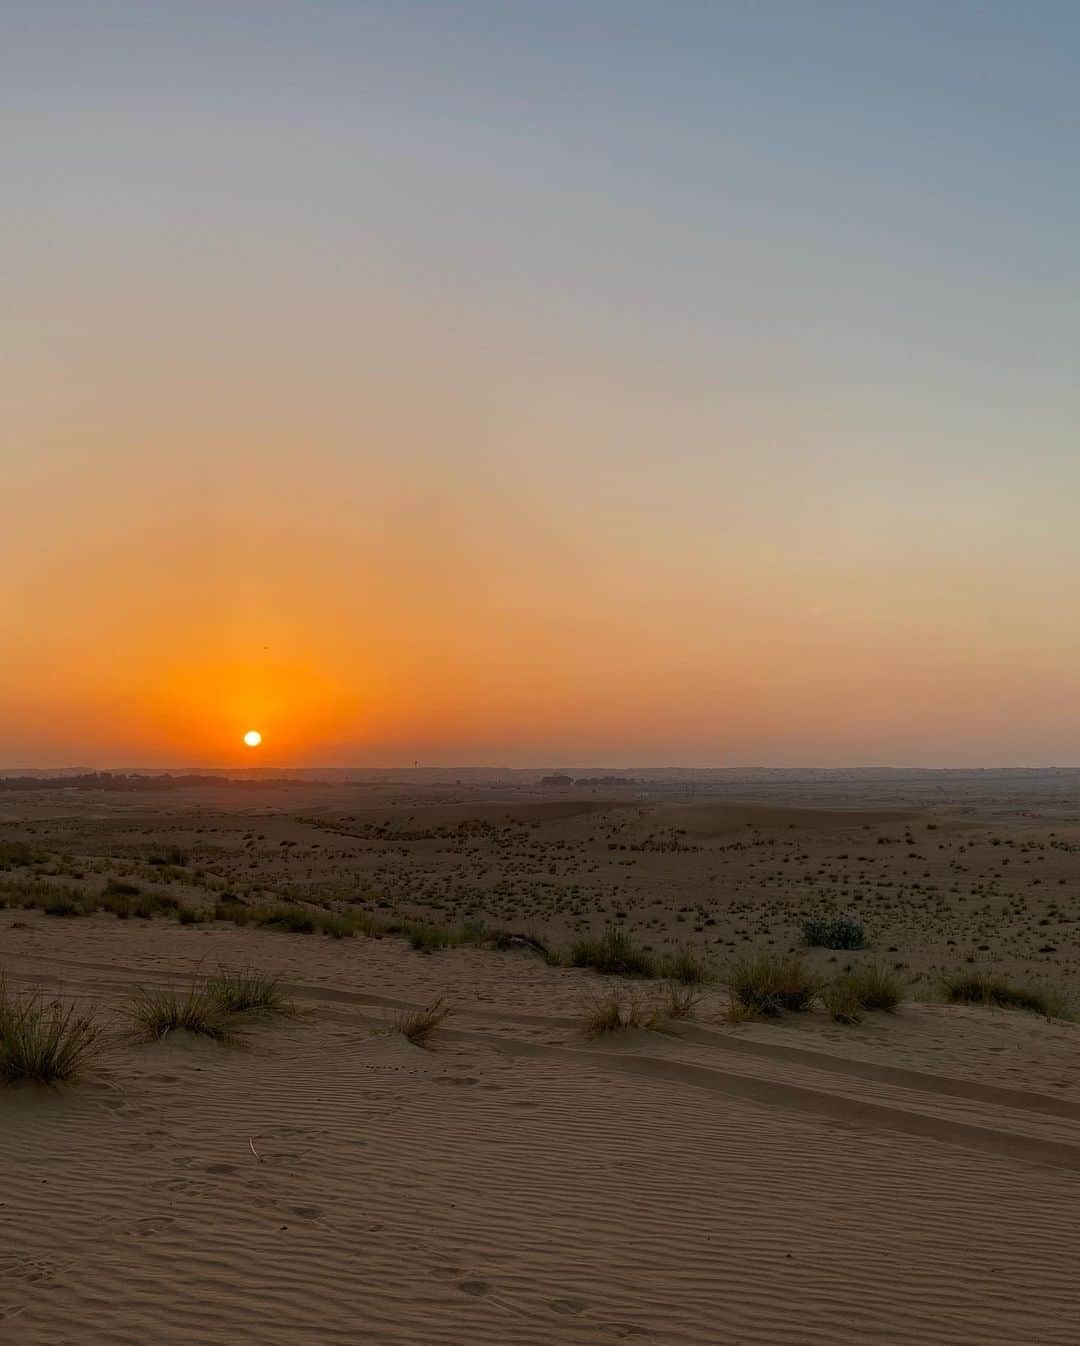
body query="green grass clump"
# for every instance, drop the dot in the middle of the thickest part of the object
(986, 988)
(686, 967)
(426, 938)
(296, 920)
(335, 925)
(420, 1025)
(863, 988)
(876, 987)
(771, 983)
(247, 991)
(44, 1043)
(841, 1001)
(124, 904)
(155, 1014)
(614, 954)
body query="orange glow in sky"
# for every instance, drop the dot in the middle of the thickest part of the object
(410, 405)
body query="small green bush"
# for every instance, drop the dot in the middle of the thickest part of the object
(834, 932)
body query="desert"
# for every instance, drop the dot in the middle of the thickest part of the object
(359, 1168)
(539, 754)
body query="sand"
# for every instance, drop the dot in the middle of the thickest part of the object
(912, 1179)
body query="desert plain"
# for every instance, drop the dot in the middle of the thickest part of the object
(520, 1179)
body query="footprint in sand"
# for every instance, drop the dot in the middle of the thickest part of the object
(566, 1305)
(473, 1287)
(307, 1212)
(153, 1224)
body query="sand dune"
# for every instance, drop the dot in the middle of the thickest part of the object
(330, 1182)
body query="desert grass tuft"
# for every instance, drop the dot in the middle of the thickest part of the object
(420, 1025)
(841, 1000)
(986, 988)
(335, 925)
(771, 983)
(686, 967)
(296, 920)
(680, 1002)
(614, 954)
(47, 1044)
(247, 991)
(876, 987)
(427, 938)
(612, 1012)
(736, 1012)
(155, 1014)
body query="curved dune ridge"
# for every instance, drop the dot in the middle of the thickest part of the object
(329, 1182)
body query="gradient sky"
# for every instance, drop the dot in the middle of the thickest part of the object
(538, 381)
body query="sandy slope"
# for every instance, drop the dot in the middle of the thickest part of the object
(331, 1183)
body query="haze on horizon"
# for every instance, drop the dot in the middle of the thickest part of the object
(483, 383)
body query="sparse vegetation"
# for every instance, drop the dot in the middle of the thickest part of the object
(14, 854)
(614, 954)
(247, 991)
(986, 988)
(296, 920)
(680, 1002)
(420, 1025)
(47, 1043)
(875, 986)
(121, 888)
(772, 983)
(841, 1000)
(617, 1009)
(686, 967)
(736, 1012)
(155, 1014)
(611, 1012)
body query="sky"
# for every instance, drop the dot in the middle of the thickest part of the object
(540, 381)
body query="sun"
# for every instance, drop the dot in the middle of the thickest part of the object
(253, 738)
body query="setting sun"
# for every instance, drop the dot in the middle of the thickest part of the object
(253, 738)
